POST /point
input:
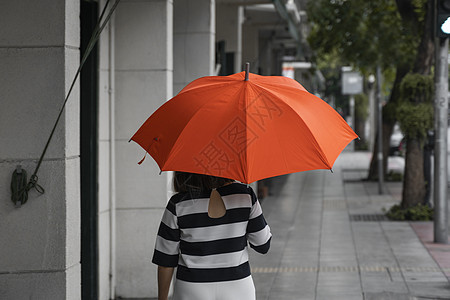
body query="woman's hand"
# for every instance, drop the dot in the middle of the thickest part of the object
(164, 279)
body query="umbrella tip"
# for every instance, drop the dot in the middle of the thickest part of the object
(247, 70)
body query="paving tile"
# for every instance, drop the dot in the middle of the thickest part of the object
(386, 295)
(384, 281)
(338, 284)
(318, 253)
(263, 283)
(293, 284)
(440, 252)
(430, 290)
(425, 277)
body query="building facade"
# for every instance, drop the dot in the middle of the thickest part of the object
(91, 234)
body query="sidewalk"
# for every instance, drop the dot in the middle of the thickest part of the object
(331, 241)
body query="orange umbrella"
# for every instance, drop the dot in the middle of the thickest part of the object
(245, 130)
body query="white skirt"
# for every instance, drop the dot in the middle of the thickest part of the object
(242, 289)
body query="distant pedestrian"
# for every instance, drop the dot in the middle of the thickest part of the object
(204, 232)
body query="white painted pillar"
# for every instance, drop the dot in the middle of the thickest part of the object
(143, 81)
(39, 55)
(106, 162)
(229, 20)
(193, 40)
(238, 64)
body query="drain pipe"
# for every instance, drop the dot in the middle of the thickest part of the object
(112, 163)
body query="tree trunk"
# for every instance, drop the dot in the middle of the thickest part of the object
(388, 124)
(423, 64)
(425, 54)
(388, 127)
(414, 181)
(414, 185)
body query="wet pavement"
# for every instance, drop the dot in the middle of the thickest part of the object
(332, 241)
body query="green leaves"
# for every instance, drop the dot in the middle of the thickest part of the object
(415, 111)
(419, 212)
(417, 88)
(362, 33)
(415, 119)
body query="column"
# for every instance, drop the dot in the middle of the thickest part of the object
(106, 162)
(229, 19)
(250, 46)
(39, 55)
(266, 53)
(193, 40)
(143, 81)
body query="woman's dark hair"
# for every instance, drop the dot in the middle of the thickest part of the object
(190, 182)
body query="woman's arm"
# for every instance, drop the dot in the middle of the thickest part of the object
(258, 232)
(167, 249)
(164, 279)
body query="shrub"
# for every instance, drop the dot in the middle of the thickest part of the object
(416, 213)
(394, 176)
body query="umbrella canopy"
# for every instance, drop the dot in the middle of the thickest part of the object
(245, 130)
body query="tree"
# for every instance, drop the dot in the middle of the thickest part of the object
(415, 115)
(365, 34)
(416, 111)
(392, 34)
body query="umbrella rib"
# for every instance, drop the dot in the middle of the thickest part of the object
(247, 130)
(169, 155)
(186, 125)
(320, 152)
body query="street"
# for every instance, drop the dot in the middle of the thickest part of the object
(331, 241)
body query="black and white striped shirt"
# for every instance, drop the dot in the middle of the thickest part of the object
(209, 249)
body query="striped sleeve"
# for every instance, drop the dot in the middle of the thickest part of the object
(258, 232)
(168, 239)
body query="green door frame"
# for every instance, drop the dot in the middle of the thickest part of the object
(89, 156)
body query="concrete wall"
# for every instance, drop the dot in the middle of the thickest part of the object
(229, 19)
(250, 46)
(193, 41)
(135, 79)
(39, 55)
(266, 53)
(143, 81)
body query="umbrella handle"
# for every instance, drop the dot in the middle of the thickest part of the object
(247, 71)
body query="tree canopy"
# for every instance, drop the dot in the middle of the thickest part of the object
(363, 33)
(392, 34)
